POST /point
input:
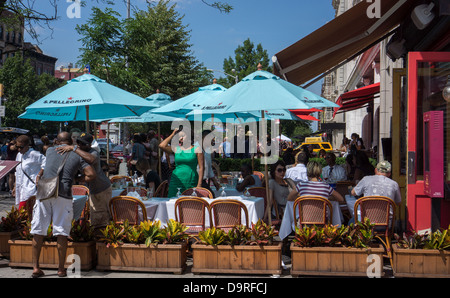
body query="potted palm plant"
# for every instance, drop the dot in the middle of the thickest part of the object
(146, 247)
(422, 255)
(10, 227)
(332, 250)
(81, 242)
(241, 250)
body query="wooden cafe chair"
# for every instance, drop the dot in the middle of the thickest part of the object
(380, 210)
(312, 210)
(261, 192)
(162, 190)
(200, 191)
(192, 212)
(226, 213)
(124, 208)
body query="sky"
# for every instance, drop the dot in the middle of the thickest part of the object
(214, 36)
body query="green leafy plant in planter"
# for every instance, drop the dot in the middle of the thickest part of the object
(359, 235)
(238, 235)
(151, 232)
(81, 231)
(113, 235)
(439, 239)
(262, 233)
(212, 236)
(15, 220)
(147, 232)
(259, 234)
(174, 232)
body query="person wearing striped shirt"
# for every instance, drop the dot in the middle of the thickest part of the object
(314, 187)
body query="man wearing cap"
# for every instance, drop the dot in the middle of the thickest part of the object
(100, 190)
(376, 185)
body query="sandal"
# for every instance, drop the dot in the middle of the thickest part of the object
(62, 273)
(38, 274)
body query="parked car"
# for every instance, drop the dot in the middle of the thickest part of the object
(117, 151)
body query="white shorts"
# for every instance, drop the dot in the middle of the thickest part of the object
(57, 211)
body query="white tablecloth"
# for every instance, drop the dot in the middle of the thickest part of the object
(288, 222)
(230, 191)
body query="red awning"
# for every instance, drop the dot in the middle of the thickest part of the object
(357, 98)
(342, 38)
(304, 114)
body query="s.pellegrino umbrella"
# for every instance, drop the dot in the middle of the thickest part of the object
(86, 98)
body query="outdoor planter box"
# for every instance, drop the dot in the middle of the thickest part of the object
(4, 245)
(332, 261)
(240, 259)
(139, 257)
(421, 263)
(21, 254)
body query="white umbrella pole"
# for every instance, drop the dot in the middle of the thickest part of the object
(266, 172)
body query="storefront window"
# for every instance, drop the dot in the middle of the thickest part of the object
(432, 79)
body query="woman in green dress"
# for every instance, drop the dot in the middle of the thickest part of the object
(187, 158)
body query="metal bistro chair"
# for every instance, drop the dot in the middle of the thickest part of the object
(261, 192)
(380, 210)
(124, 208)
(312, 210)
(162, 190)
(81, 190)
(200, 191)
(227, 213)
(192, 211)
(115, 178)
(140, 190)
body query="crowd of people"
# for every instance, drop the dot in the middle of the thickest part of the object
(185, 164)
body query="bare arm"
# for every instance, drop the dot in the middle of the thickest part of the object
(89, 158)
(201, 168)
(89, 173)
(164, 145)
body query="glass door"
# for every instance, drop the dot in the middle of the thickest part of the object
(428, 75)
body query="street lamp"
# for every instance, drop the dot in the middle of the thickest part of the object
(236, 79)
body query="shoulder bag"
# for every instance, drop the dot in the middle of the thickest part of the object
(47, 188)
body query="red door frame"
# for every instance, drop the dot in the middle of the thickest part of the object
(418, 204)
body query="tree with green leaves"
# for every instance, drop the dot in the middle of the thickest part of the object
(148, 51)
(22, 87)
(246, 61)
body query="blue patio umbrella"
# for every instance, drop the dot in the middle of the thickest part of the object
(182, 106)
(259, 92)
(87, 98)
(262, 90)
(160, 99)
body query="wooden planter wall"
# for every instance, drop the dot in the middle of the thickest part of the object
(4, 245)
(245, 259)
(332, 261)
(138, 257)
(21, 254)
(421, 263)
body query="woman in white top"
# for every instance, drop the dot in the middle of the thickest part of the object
(31, 166)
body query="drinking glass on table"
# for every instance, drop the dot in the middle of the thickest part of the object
(178, 192)
(150, 192)
(223, 193)
(246, 193)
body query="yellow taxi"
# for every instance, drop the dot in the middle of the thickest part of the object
(317, 144)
